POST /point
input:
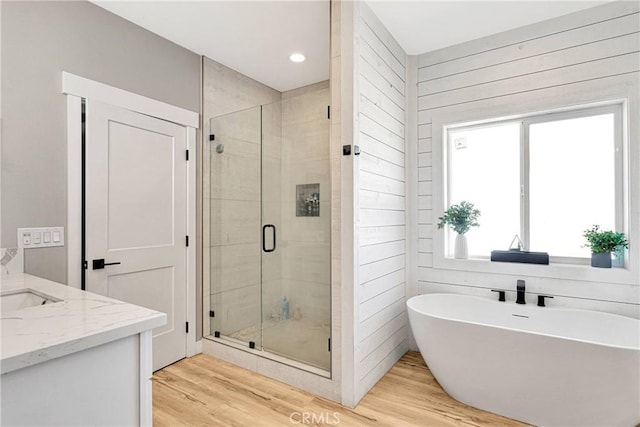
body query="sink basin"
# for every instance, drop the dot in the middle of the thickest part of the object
(23, 298)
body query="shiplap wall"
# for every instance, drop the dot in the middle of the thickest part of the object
(563, 61)
(381, 325)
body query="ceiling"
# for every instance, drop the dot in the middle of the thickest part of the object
(256, 38)
(424, 26)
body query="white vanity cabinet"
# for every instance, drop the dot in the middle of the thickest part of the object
(78, 359)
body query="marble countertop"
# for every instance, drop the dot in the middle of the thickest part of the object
(80, 321)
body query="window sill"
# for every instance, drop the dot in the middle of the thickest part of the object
(578, 272)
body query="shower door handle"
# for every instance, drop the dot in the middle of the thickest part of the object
(264, 237)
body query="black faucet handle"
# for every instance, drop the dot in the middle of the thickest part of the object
(541, 300)
(501, 294)
(520, 288)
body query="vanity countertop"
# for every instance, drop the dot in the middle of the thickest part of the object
(80, 321)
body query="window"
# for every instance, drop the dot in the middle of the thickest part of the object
(546, 178)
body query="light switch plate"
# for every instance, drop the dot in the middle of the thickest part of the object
(40, 237)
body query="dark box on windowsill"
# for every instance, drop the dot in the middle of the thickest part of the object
(520, 256)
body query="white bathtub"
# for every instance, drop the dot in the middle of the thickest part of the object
(541, 365)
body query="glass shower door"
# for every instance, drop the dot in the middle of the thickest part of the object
(235, 221)
(295, 202)
(270, 228)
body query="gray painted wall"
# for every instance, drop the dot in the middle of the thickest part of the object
(39, 41)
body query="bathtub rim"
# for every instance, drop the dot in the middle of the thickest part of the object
(423, 296)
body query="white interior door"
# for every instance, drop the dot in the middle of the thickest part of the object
(135, 216)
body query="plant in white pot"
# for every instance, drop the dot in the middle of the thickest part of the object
(602, 243)
(461, 218)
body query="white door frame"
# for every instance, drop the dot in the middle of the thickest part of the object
(76, 88)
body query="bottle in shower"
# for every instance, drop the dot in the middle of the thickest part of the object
(284, 309)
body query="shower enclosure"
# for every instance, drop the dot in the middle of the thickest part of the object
(270, 225)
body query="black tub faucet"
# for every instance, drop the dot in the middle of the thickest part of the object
(541, 300)
(501, 294)
(520, 291)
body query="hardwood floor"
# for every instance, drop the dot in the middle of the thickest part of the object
(204, 391)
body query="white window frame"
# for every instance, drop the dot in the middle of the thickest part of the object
(525, 121)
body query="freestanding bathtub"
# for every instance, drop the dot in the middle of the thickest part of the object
(541, 365)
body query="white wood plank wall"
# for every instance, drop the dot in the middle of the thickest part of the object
(595, 45)
(381, 324)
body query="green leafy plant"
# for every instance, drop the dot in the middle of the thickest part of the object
(603, 241)
(460, 217)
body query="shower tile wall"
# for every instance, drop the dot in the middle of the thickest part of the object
(305, 240)
(231, 215)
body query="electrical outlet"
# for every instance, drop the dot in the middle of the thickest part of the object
(40, 237)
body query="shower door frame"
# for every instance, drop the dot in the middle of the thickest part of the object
(225, 340)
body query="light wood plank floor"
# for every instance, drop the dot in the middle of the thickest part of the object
(205, 391)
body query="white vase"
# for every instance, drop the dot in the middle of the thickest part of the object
(461, 251)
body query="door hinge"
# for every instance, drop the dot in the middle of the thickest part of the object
(328, 111)
(328, 344)
(187, 155)
(212, 313)
(187, 240)
(187, 328)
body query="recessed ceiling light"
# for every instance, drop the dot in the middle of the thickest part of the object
(297, 57)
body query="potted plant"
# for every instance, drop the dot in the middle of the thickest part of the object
(602, 243)
(461, 218)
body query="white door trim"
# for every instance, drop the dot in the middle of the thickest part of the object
(76, 88)
(85, 88)
(191, 249)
